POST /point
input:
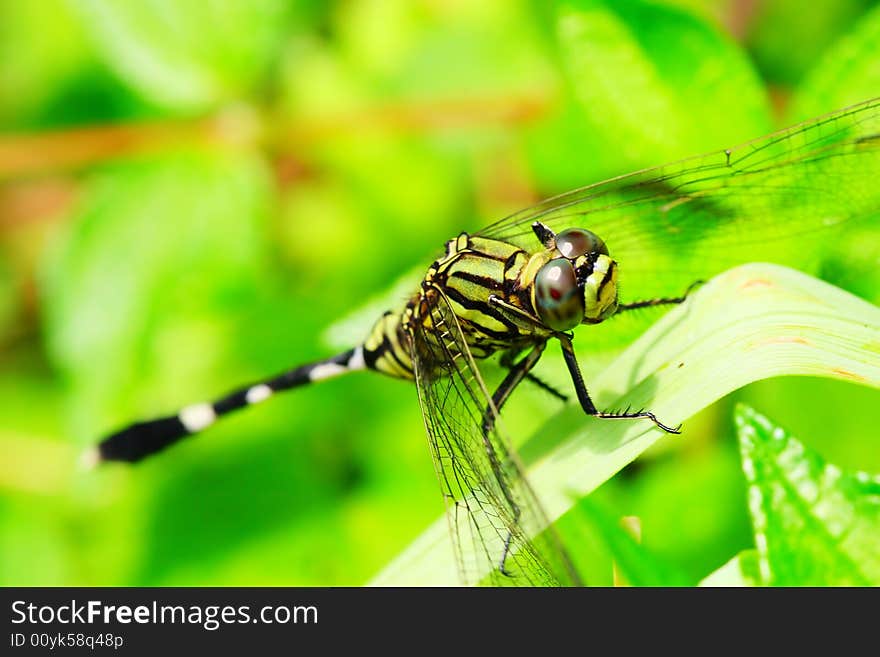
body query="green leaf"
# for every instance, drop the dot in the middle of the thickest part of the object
(786, 39)
(645, 83)
(41, 53)
(814, 524)
(186, 55)
(634, 562)
(752, 322)
(742, 570)
(464, 50)
(689, 496)
(9, 297)
(158, 256)
(848, 73)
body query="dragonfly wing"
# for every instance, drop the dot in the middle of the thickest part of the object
(493, 514)
(770, 199)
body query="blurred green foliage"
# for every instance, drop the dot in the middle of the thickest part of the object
(217, 183)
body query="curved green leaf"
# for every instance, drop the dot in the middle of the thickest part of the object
(634, 564)
(786, 37)
(40, 55)
(814, 524)
(750, 323)
(848, 73)
(742, 570)
(645, 83)
(186, 55)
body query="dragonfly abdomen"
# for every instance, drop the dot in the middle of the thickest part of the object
(141, 439)
(386, 350)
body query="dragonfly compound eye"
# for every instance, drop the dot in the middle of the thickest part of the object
(557, 297)
(576, 242)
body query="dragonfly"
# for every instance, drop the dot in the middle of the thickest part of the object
(506, 292)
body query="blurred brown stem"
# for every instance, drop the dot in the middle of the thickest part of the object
(50, 152)
(72, 149)
(632, 525)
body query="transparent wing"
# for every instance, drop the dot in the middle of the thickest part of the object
(772, 199)
(493, 514)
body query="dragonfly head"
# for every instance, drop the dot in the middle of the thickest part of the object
(578, 283)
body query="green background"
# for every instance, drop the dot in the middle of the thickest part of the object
(192, 193)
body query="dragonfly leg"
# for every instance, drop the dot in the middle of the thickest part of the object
(507, 362)
(663, 301)
(501, 568)
(543, 385)
(528, 321)
(516, 315)
(584, 397)
(508, 358)
(518, 371)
